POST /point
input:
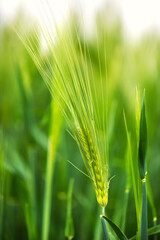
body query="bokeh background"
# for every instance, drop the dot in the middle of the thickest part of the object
(27, 117)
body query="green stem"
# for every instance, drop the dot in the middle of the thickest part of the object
(2, 182)
(33, 196)
(155, 224)
(152, 204)
(144, 218)
(47, 199)
(104, 227)
(54, 135)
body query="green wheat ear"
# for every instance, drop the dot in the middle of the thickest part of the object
(92, 157)
(80, 91)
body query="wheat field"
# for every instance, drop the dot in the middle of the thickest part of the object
(79, 132)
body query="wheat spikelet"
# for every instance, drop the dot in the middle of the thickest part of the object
(92, 157)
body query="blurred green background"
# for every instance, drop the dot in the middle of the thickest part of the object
(28, 119)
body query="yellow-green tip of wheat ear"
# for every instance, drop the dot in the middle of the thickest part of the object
(95, 169)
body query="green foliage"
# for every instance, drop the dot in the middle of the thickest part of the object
(28, 177)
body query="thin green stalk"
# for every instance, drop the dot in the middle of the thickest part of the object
(127, 188)
(144, 222)
(55, 127)
(151, 202)
(33, 196)
(134, 173)
(142, 149)
(98, 230)
(47, 199)
(104, 227)
(69, 228)
(30, 226)
(2, 178)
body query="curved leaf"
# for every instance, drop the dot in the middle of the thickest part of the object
(151, 231)
(115, 228)
(142, 140)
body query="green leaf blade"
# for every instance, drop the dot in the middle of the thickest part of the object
(151, 232)
(142, 140)
(115, 228)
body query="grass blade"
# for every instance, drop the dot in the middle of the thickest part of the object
(69, 229)
(151, 202)
(115, 228)
(55, 127)
(142, 140)
(154, 230)
(142, 168)
(2, 182)
(151, 232)
(134, 171)
(144, 218)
